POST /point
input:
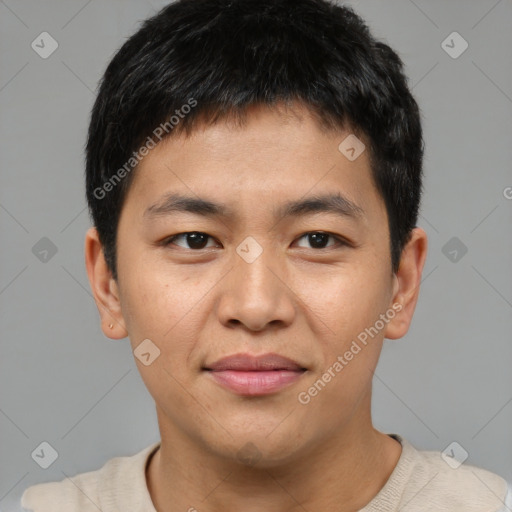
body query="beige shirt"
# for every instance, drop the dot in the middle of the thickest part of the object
(421, 481)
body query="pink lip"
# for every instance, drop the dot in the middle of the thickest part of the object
(250, 375)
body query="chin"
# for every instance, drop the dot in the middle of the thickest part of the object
(259, 450)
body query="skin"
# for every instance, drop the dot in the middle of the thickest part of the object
(302, 302)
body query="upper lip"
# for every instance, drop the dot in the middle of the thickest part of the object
(248, 362)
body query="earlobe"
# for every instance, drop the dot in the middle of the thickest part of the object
(104, 288)
(406, 285)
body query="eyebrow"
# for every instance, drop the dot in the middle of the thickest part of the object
(327, 203)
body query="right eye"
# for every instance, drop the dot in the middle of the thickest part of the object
(195, 239)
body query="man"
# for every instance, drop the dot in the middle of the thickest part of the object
(254, 174)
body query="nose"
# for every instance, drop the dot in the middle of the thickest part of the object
(257, 294)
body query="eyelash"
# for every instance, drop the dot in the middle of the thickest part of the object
(340, 241)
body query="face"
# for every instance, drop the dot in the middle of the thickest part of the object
(261, 240)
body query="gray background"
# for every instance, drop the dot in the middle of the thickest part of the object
(63, 382)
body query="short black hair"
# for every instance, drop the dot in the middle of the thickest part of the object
(206, 60)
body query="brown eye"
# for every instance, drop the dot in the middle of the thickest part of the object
(319, 239)
(195, 240)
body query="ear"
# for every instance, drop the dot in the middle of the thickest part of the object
(406, 286)
(104, 287)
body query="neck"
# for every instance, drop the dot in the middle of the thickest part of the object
(343, 472)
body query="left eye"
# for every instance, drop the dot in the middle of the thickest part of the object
(197, 240)
(318, 239)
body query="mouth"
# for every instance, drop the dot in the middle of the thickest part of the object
(249, 375)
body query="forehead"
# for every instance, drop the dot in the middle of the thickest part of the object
(274, 154)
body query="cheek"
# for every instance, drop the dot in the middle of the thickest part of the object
(153, 301)
(346, 302)
(351, 344)
(162, 308)
(168, 306)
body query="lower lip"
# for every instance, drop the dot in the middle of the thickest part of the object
(256, 382)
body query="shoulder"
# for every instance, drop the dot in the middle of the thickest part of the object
(90, 491)
(438, 482)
